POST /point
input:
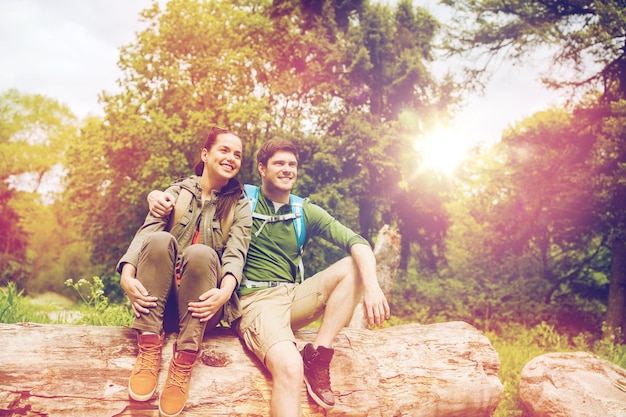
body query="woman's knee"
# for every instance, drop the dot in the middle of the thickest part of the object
(160, 245)
(201, 254)
(201, 259)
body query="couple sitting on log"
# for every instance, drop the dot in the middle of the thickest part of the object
(234, 256)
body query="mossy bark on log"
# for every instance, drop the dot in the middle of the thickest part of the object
(447, 369)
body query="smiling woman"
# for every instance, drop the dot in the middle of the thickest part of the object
(443, 149)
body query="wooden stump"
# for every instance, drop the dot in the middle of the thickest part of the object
(447, 369)
(387, 252)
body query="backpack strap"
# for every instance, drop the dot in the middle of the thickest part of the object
(182, 205)
(252, 192)
(297, 215)
(298, 223)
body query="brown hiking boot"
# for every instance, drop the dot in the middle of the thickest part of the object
(143, 380)
(317, 374)
(174, 395)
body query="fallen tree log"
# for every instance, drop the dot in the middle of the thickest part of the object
(447, 369)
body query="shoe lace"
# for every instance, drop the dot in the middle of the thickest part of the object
(149, 358)
(179, 375)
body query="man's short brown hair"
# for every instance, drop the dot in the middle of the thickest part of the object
(269, 148)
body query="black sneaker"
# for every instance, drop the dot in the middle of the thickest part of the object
(317, 374)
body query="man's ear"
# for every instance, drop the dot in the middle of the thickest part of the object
(261, 169)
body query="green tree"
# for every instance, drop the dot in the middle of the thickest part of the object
(281, 69)
(590, 38)
(531, 235)
(366, 153)
(34, 133)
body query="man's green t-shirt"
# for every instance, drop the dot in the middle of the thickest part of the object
(273, 254)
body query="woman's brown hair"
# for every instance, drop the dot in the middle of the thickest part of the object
(233, 190)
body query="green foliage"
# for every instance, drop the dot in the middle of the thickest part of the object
(96, 309)
(14, 308)
(607, 349)
(529, 234)
(34, 133)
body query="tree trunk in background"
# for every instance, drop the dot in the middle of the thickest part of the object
(387, 252)
(615, 323)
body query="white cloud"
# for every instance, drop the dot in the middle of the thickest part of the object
(66, 50)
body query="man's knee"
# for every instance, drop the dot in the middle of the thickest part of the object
(343, 270)
(285, 365)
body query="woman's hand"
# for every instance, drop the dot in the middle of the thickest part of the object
(210, 303)
(140, 300)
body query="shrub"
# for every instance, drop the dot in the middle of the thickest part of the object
(15, 308)
(95, 309)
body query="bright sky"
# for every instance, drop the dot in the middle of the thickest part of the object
(65, 49)
(68, 50)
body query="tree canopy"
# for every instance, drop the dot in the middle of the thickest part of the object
(588, 37)
(529, 230)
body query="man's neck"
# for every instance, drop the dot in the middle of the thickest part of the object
(276, 195)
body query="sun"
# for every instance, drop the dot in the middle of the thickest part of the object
(442, 150)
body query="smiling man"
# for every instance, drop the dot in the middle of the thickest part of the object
(277, 299)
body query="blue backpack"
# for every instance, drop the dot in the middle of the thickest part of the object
(297, 215)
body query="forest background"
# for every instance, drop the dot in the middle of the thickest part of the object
(528, 232)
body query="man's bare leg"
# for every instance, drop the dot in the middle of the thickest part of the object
(285, 364)
(342, 293)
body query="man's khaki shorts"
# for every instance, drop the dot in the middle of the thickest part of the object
(271, 315)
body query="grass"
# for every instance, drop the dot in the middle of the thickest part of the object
(94, 308)
(16, 308)
(516, 344)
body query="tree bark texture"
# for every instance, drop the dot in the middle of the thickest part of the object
(566, 384)
(446, 369)
(615, 323)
